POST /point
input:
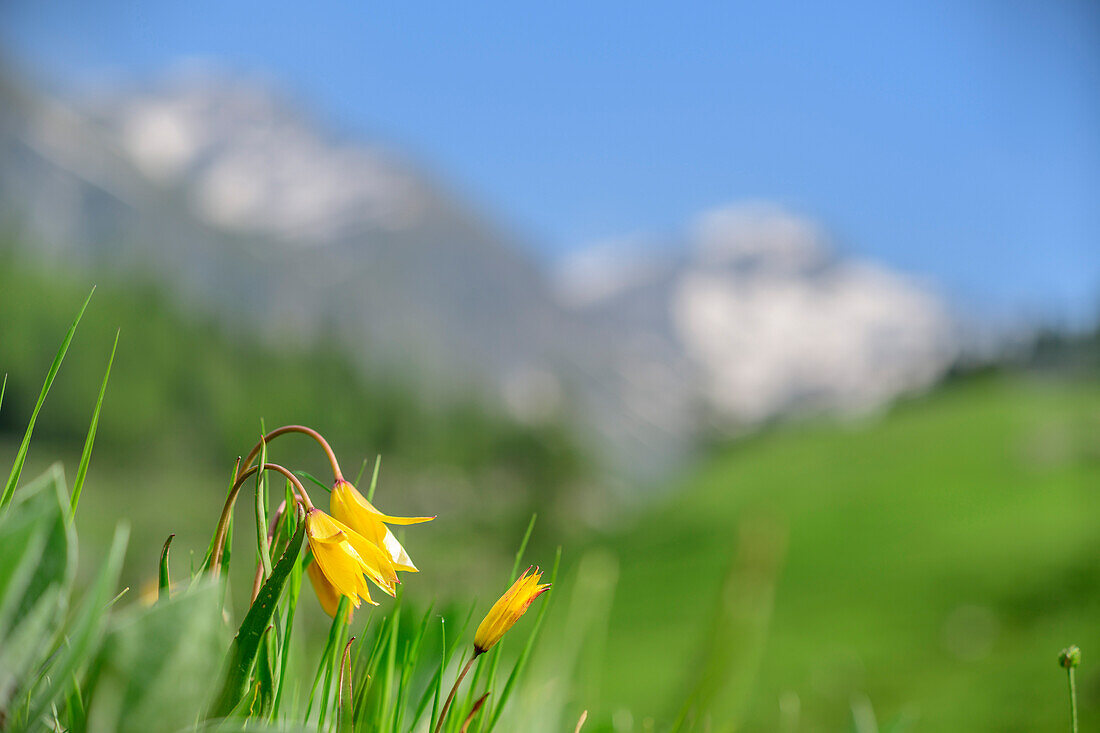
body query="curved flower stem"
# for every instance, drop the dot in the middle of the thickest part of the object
(337, 475)
(227, 510)
(451, 695)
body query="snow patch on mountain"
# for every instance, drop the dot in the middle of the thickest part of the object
(255, 167)
(766, 319)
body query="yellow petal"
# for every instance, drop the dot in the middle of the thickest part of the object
(361, 500)
(328, 596)
(332, 539)
(343, 501)
(335, 555)
(376, 564)
(400, 558)
(353, 510)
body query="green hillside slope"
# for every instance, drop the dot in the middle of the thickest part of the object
(186, 397)
(936, 562)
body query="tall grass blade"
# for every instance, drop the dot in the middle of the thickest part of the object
(261, 511)
(329, 695)
(437, 682)
(313, 479)
(374, 478)
(732, 649)
(21, 455)
(83, 636)
(522, 549)
(368, 671)
(293, 591)
(409, 665)
(435, 685)
(209, 556)
(391, 664)
(117, 598)
(164, 584)
(86, 454)
(326, 654)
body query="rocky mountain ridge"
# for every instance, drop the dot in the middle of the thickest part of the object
(246, 209)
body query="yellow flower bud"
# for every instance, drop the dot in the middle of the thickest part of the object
(507, 610)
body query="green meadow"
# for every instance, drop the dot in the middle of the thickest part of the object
(918, 569)
(936, 560)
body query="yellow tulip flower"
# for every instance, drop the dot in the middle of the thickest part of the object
(344, 557)
(326, 593)
(353, 509)
(507, 610)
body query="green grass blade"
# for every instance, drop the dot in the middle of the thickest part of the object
(164, 580)
(87, 628)
(522, 549)
(261, 511)
(21, 455)
(408, 666)
(374, 478)
(371, 705)
(227, 554)
(117, 598)
(74, 705)
(333, 632)
(4, 386)
(293, 591)
(368, 670)
(290, 514)
(437, 682)
(205, 567)
(391, 665)
(358, 476)
(313, 479)
(330, 694)
(86, 454)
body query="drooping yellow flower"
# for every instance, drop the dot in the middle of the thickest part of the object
(344, 557)
(353, 509)
(507, 610)
(328, 596)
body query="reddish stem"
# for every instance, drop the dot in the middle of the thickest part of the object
(294, 429)
(231, 499)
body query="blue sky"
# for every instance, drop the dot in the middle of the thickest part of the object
(956, 139)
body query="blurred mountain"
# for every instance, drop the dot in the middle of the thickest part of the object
(248, 210)
(766, 319)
